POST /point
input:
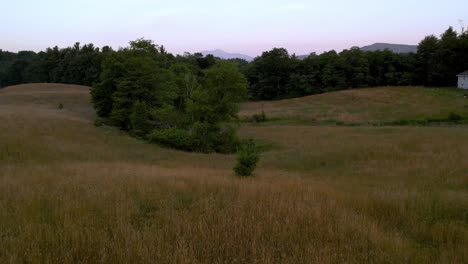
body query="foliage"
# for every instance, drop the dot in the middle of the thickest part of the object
(98, 122)
(140, 119)
(247, 158)
(216, 100)
(269, 74)
(173, 137)
(454, 117)
(175, 103)
(75, 65)
(202, 138)
(276, 74)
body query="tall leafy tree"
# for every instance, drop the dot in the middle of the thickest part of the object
(269, 74)
(216, 100)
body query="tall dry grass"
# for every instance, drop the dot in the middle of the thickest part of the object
(74, 193)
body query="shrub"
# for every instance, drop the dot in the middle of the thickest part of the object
(98, 122)
(339, 123)
(259, 118)
(227, 141)
(401, 122)
(60, 106)
(173, 138)
(454, 117)
(202, 137)
(211, 138)
(247, 158)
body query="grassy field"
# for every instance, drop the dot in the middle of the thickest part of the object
(71, 192)
(365, 105)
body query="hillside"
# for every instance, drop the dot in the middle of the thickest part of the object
(397, 48)
(72, 192)
(365, 105)
(226, 55)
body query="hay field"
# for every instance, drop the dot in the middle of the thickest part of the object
(71, 192)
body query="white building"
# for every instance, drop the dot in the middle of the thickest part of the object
(463, 80)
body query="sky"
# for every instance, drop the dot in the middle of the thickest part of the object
(243, 26)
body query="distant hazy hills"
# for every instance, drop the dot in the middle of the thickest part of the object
(396, 48)
(301, 57)
(226, 55)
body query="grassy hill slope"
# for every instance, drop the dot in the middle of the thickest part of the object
(366, 105)
(72, 192)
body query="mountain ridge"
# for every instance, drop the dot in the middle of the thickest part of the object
(227, 55)
(396, 48)
(379, 46)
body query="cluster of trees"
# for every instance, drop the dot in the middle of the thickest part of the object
(277, 74)
(79, 64)
(74, 65)
(185, 102)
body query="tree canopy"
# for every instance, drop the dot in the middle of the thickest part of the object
(178, 102)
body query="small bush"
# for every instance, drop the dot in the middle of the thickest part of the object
(60, 106)
(454, 117)
(202, 137)
(248, 156)
(173, 138)
(340, 123)
(98, 122)
(259, 118)
(401, 122)
(227, 141)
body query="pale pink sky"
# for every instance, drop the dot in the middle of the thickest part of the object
(244, 26)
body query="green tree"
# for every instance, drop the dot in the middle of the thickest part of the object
(142, 80)
(140, 119)
(216, 100)
(113, 69)
(269, 74)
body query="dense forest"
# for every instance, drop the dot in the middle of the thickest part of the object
(189, 101)
(276, 74)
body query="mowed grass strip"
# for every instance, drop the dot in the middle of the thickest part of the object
(71, 192)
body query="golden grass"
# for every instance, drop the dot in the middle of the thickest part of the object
(71, 192)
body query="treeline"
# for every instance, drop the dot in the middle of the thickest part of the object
(74, 65)
(80, 64)
(273, 75)
(276, 74)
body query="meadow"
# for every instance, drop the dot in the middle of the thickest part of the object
(71, 192)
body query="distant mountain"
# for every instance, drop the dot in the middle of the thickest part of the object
(302, 57)
(226, 55)
(397, 48)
